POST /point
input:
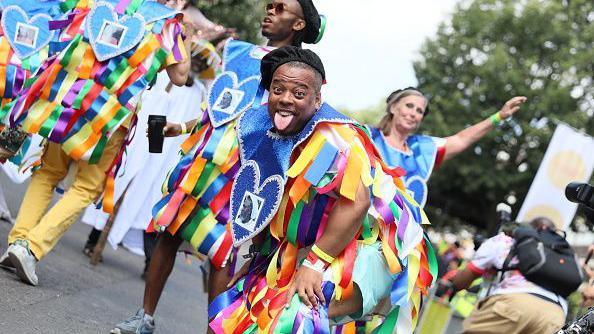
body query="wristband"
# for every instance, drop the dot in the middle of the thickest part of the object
(184, 129)
(317, 266)
(322, 255)
(495, 119)
(314, 259)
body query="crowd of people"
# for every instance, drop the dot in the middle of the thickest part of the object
(332, 210)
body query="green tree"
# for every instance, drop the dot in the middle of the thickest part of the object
(490, 51)
(244, 15)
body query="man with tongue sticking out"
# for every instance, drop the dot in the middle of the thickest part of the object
(195, 204)
(336, 229)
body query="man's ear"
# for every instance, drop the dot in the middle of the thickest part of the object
(299, 25)
(318, 100)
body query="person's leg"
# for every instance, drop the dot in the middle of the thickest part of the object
(149, 243)
(160, 267)
(217, 281)
(496, 314)
(91, 241)
(54, 167)
(352, 305)
(88, 185)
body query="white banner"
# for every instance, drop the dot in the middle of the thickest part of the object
(569, 157)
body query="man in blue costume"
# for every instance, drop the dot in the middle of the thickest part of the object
(195, 206)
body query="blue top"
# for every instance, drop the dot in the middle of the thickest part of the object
(424, 153)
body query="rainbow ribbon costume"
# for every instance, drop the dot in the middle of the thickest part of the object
(197, 191)
(425, 154)
(115, 52)
(115, 49)
(27, 38)
(293, 182)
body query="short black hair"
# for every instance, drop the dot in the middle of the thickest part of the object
(318, 77)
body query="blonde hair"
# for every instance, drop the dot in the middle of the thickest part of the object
(385, 124)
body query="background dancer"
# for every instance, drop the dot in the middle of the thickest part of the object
(419, 154)
(92, 97)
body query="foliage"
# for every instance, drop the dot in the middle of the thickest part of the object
(243, 15)
(490, 51)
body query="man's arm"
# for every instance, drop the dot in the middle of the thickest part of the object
(344, 221)
(459, 142)
(178, 73)
(464, 279)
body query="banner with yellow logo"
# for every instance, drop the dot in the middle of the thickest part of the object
(569, 157)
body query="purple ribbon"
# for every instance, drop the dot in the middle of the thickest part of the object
(384, 210)
(121, 6)
(72, 93)
(59, 130)
(305, 222)
(404, 218)
(61, 24)
(18, 80)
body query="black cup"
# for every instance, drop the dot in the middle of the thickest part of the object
(156, 123)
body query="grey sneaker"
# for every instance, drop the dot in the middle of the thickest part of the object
(5, 262)
(140, 323)
(23, 261)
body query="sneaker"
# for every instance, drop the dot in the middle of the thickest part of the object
(23, 261)
(5, 262)
(140, 323)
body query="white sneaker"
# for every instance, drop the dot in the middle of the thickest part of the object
(5, 262)
(23, 261)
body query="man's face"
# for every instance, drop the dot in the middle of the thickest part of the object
(293, 99)
(279, 24)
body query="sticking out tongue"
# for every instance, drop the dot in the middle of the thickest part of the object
(282, 122)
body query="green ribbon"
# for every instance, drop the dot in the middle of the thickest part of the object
(326, 179)
(123, 112)
(208, 168)
(389, 323)
(160, 57)
(50, 122)
(294, 223)
(68, 53)
(67, 5)
(116, 74)
(133, 6)
(431, 259)
(199, 215)
(98, 151)
(81, 95)
(4, 111)
(395, 210)
(287, 318)
(366, 232)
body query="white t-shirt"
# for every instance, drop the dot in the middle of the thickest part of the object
(491, 256)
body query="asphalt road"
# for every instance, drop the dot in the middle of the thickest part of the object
(75, 297)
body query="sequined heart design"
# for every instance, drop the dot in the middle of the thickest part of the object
(26, 35)
(111, 36)
(228, 98)
(253, 204)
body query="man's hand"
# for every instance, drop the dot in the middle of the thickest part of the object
(170, 130)
(511, 107)
(308, 285)
(240, 273)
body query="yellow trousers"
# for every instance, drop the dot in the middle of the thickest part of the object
(43, 229)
